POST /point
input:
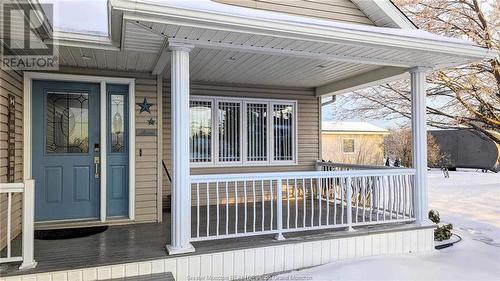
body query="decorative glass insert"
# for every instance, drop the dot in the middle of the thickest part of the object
(117, 123)
(256, 131)
(283, 141)
(229, 132)
(348, 145)
(67, 122)
(200, 131)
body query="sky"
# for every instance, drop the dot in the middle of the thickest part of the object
(328, 114)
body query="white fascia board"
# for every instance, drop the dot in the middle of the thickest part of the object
(373, 37)
(70, 39)
(368, 79)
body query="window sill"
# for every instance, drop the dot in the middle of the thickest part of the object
(239, 165)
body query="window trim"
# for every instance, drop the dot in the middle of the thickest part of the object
(243, 132)
(212, 143)
(353, 144)
(216, 134)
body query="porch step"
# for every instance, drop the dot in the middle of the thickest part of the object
(167, 276)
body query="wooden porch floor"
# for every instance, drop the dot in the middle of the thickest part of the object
(139, 242)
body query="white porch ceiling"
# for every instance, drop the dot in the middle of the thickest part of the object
(245, 58)
(211, 65)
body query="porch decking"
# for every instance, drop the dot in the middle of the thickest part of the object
(141, 242)
(303, 214)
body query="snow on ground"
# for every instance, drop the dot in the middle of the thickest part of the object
(468, 199)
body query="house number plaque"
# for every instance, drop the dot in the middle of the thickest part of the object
(145, 132)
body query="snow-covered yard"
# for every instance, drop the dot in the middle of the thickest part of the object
(468, 199)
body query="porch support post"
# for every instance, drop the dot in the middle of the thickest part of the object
(28, 225)
(419, 141)
(181, 186)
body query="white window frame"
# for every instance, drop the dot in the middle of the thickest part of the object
(212, 144)
(215, 100)
(245, 133)
(354, 145)
(294, 132)
(216, 134)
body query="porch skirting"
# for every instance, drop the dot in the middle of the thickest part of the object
(241, 263)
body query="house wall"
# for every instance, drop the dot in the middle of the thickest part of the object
(308, 124)
(146, 172)
(11, 83)
(338, 10)
(369, 148)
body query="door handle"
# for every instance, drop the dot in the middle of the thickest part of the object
(97, 161)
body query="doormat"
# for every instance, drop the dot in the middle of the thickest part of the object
(68, 233)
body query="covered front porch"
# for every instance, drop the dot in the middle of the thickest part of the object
(238, 104)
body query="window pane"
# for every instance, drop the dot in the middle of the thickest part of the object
(229, 132)
(283, 132)
(117, 123)
(67, 122)
(200, 132)
(348, 145)
(256, 132)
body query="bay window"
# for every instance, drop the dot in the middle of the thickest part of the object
(233, 131)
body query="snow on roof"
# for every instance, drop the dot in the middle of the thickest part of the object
(83, 17)
(351, 127)
(214, 7)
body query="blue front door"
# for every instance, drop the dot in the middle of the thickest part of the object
(117, 195)
(65, 140)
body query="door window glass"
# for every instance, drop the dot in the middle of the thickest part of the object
(117, 123)
(67, 122)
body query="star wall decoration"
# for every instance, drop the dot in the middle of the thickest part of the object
(145, 106)
(151, 122)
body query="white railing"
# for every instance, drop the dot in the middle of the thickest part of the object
(233, 205)
(332, 166)
(27, 189)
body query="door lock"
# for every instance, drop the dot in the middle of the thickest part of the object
(97, 161)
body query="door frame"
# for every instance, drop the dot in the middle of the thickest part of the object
(102, 81)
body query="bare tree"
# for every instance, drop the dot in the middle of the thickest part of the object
(459, 97)
(398, 145)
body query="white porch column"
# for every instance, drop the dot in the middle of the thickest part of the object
(419, 141)
(181, 187)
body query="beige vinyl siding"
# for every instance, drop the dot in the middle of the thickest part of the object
(145, 165)
(369, 148)
(337, 10)
(307, 126)
(11, 82)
